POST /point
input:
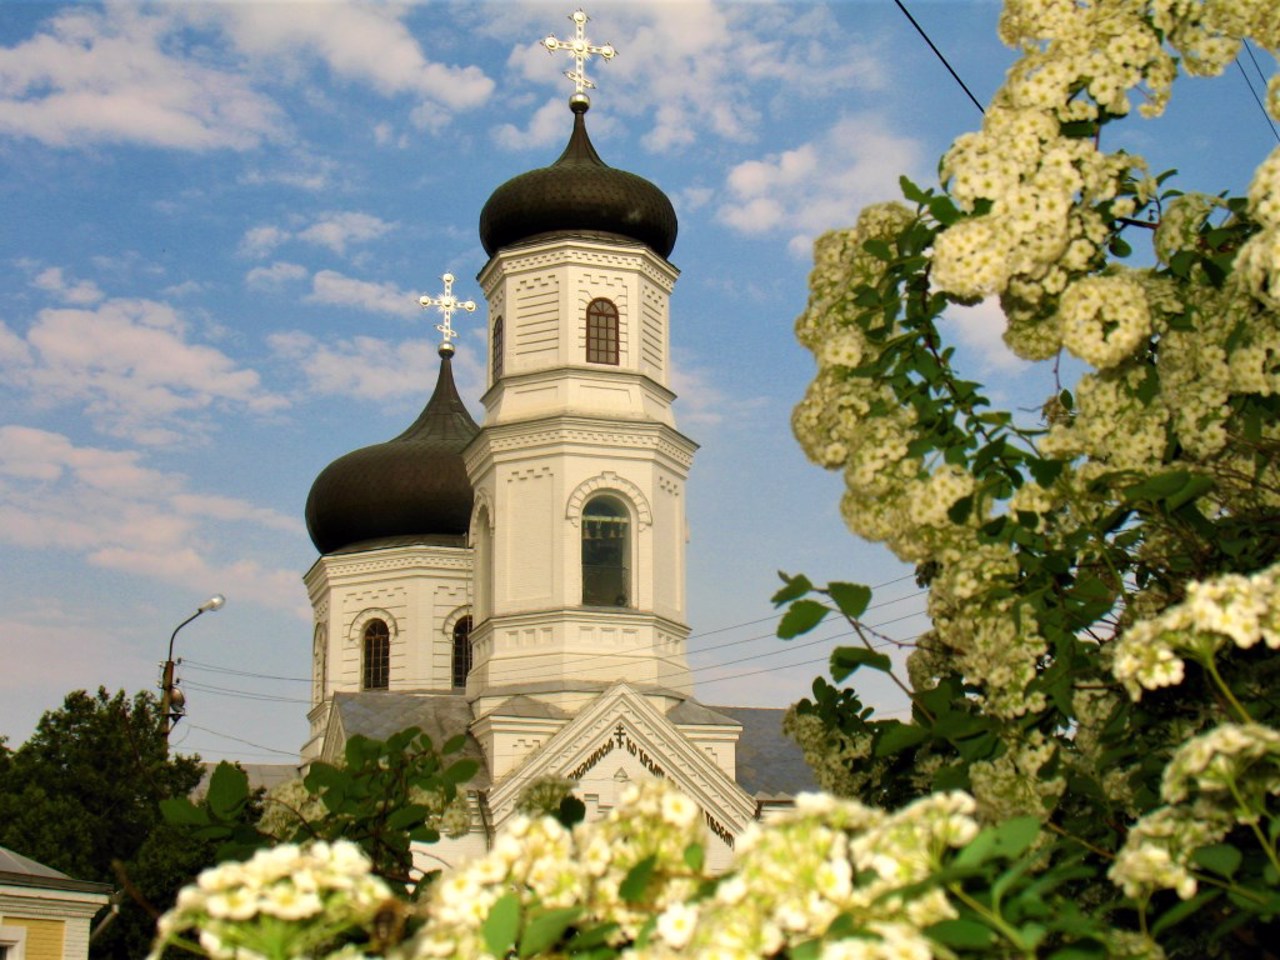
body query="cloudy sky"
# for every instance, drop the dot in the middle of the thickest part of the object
(217, 220)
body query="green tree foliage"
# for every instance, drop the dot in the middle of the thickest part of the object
(386, 795)
(83, 794)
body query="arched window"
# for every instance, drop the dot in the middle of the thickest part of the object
(377, 656)
(602, 332)
(319, 664)
(496, 349)
(606, 549)
(461, 651)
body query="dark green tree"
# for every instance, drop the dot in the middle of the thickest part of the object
(83, 794)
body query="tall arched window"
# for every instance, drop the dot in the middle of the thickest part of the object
(495, 347)
(606, 549)
(602, 332)
(461, 651)
(376, 670)
(319, 664)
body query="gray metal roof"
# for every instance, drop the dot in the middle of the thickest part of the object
(19, 871)
(769, 762)
(378, 714)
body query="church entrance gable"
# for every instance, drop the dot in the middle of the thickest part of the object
(620, 738)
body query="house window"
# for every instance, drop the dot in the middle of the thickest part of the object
(496, 345)
(461, 651)
(605, 551)
(602, 332)
(377, 656)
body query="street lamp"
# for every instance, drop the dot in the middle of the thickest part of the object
(171, 699)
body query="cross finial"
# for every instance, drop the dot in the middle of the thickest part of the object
(580, 50)
(446, 303)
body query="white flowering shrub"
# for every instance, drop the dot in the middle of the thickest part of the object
(287, 901)
(1102, 583)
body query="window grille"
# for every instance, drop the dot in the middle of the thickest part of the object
(602, 332)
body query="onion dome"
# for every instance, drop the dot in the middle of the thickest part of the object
(579, 193)
(411, 487)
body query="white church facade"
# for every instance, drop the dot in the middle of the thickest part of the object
(522, 580)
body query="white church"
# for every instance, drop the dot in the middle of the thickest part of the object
(522, 580)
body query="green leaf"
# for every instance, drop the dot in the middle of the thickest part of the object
(851, 598)
(502, 925)
(228, 791)
(963, 934)
(636, 882)
(454, 744)
(460, 771)
(911, 191)
(1016, 835)
(895, 737)
(795, 588)
(1180, 911)
(1222, 858)
(801, 617)
(943, 210)
(406, 817)
(878, 249)
(181, 811)
(845, 660)
(544, 930)
(694, 857)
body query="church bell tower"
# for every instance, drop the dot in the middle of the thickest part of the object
(579, 472)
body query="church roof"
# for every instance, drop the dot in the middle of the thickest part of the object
(414, 485)
(442, 716)
(769, 762)
(19, 871)
(577, 194)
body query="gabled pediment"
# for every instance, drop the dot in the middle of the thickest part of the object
(623, 736)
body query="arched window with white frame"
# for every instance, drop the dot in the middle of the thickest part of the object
(606, 553)
(375, 673)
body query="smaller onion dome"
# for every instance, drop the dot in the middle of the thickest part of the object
(413, 486)
(576, 194)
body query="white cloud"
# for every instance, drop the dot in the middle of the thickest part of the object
(130, 364)
(119, 514)
(331, 287)
(336, 230)
(700, 401)
(364, 43)
(364, 367)
(698, 66)
(80, 292)
(259, 241)
(274, 276)
(333, 230)
(818, 185)
(981, 328)
(108, 76)
(546, 128)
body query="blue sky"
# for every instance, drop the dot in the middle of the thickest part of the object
(218, 218)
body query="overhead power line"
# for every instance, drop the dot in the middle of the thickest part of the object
(1249, 83)
(938, 54)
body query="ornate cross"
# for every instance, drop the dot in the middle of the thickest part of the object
(580, 50)
(446, 303)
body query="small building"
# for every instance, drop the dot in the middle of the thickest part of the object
(44, 914)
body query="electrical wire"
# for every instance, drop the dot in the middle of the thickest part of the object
(227, 736)
(1249, 83)
(938, 53)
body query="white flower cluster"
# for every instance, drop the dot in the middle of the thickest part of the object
(1229, 608)
(287, 901)
(1214, 781)
(791, 879)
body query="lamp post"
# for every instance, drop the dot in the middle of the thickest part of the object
(171, 698)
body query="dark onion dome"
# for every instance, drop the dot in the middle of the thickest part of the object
(576, 194)
(413, 486)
